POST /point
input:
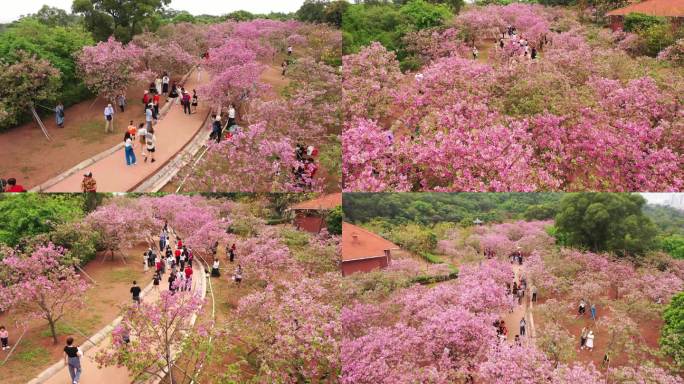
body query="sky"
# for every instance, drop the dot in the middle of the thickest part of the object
(658, 198)
(12, 10)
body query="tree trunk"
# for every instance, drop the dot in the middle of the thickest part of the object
(52, 330)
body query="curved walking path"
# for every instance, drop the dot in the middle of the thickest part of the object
(174, 131)
(91, 374)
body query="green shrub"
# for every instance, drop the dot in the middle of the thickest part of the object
(635, 22)
(672, 334)
(334, 221)
(673, 244)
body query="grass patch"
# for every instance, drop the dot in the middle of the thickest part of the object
(431, 258)
(32, 355)
(86, 325)
(120, 276)
(89, 131)
(294, 238)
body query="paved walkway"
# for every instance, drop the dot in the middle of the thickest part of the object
(512, 319)
(173, 132)
(91, 374)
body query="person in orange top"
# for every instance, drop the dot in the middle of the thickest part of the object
(132, 130)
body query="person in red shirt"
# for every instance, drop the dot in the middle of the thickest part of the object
(180, 243)
(146, 98)
(188, 271)
(155, 100)
(13, 187)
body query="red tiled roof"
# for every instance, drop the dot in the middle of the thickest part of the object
(325, 202)
(663, 8)
(359, 243)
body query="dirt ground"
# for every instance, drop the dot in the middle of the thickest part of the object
(36, 351)
(30, 158)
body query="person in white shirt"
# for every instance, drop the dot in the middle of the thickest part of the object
(158, 84)
(289, 50)
(231, 116)
(142, 134)
(109, 118)
(165, 83)
(128, 149)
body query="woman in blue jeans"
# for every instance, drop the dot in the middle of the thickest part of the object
(72, 359)
(128, 147)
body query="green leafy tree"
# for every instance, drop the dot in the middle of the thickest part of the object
(33, 214)
(53, 17)
(56, 44)
(672, 334)
(674, 245)
(333, 221)
(606, 222)
(540, 212)
(312, 11)
(24, 83)
(241, 16)
(121, 18)
(422, 14)
(334, 12)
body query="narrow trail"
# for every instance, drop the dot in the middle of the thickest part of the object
(173, 132)
(91, 374)
(512, 319)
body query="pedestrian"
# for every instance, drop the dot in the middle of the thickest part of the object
(135, 291)
(88, 185)
(173, 92)
(146, 262)
(190, 257)
(179, 92)
(4, 337)
(146, 98)
(132, 129)
(149, 116)
(13, 187)
(172, 280)
(109, 118)
(215, 272)
(284, 66)
(520, 296)
(180, 280)
(231, 116)
(128, 149)
(475, 52)
(533, 55)
(518, 342)
(583, 337)
(289, 50)
(582, 307)
(156, 99)
(592, 309)
(155, 280)
(121, 102)
(522, 327)
(162, 241)
(158, 85)
(165, 83)
(72, 359)
(215, 129)
(501, 43)
(231, 253)
(590, 341)
(186, 102)
(150, 140)
(59, 114)
(194, 101)
(142, 135)
(534, 294)
(238, 275)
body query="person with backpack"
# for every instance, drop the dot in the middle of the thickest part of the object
(59, 115)
(72, 359)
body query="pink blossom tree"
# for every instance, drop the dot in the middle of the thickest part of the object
(109, 67)
(39, 285)
(157, 331)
